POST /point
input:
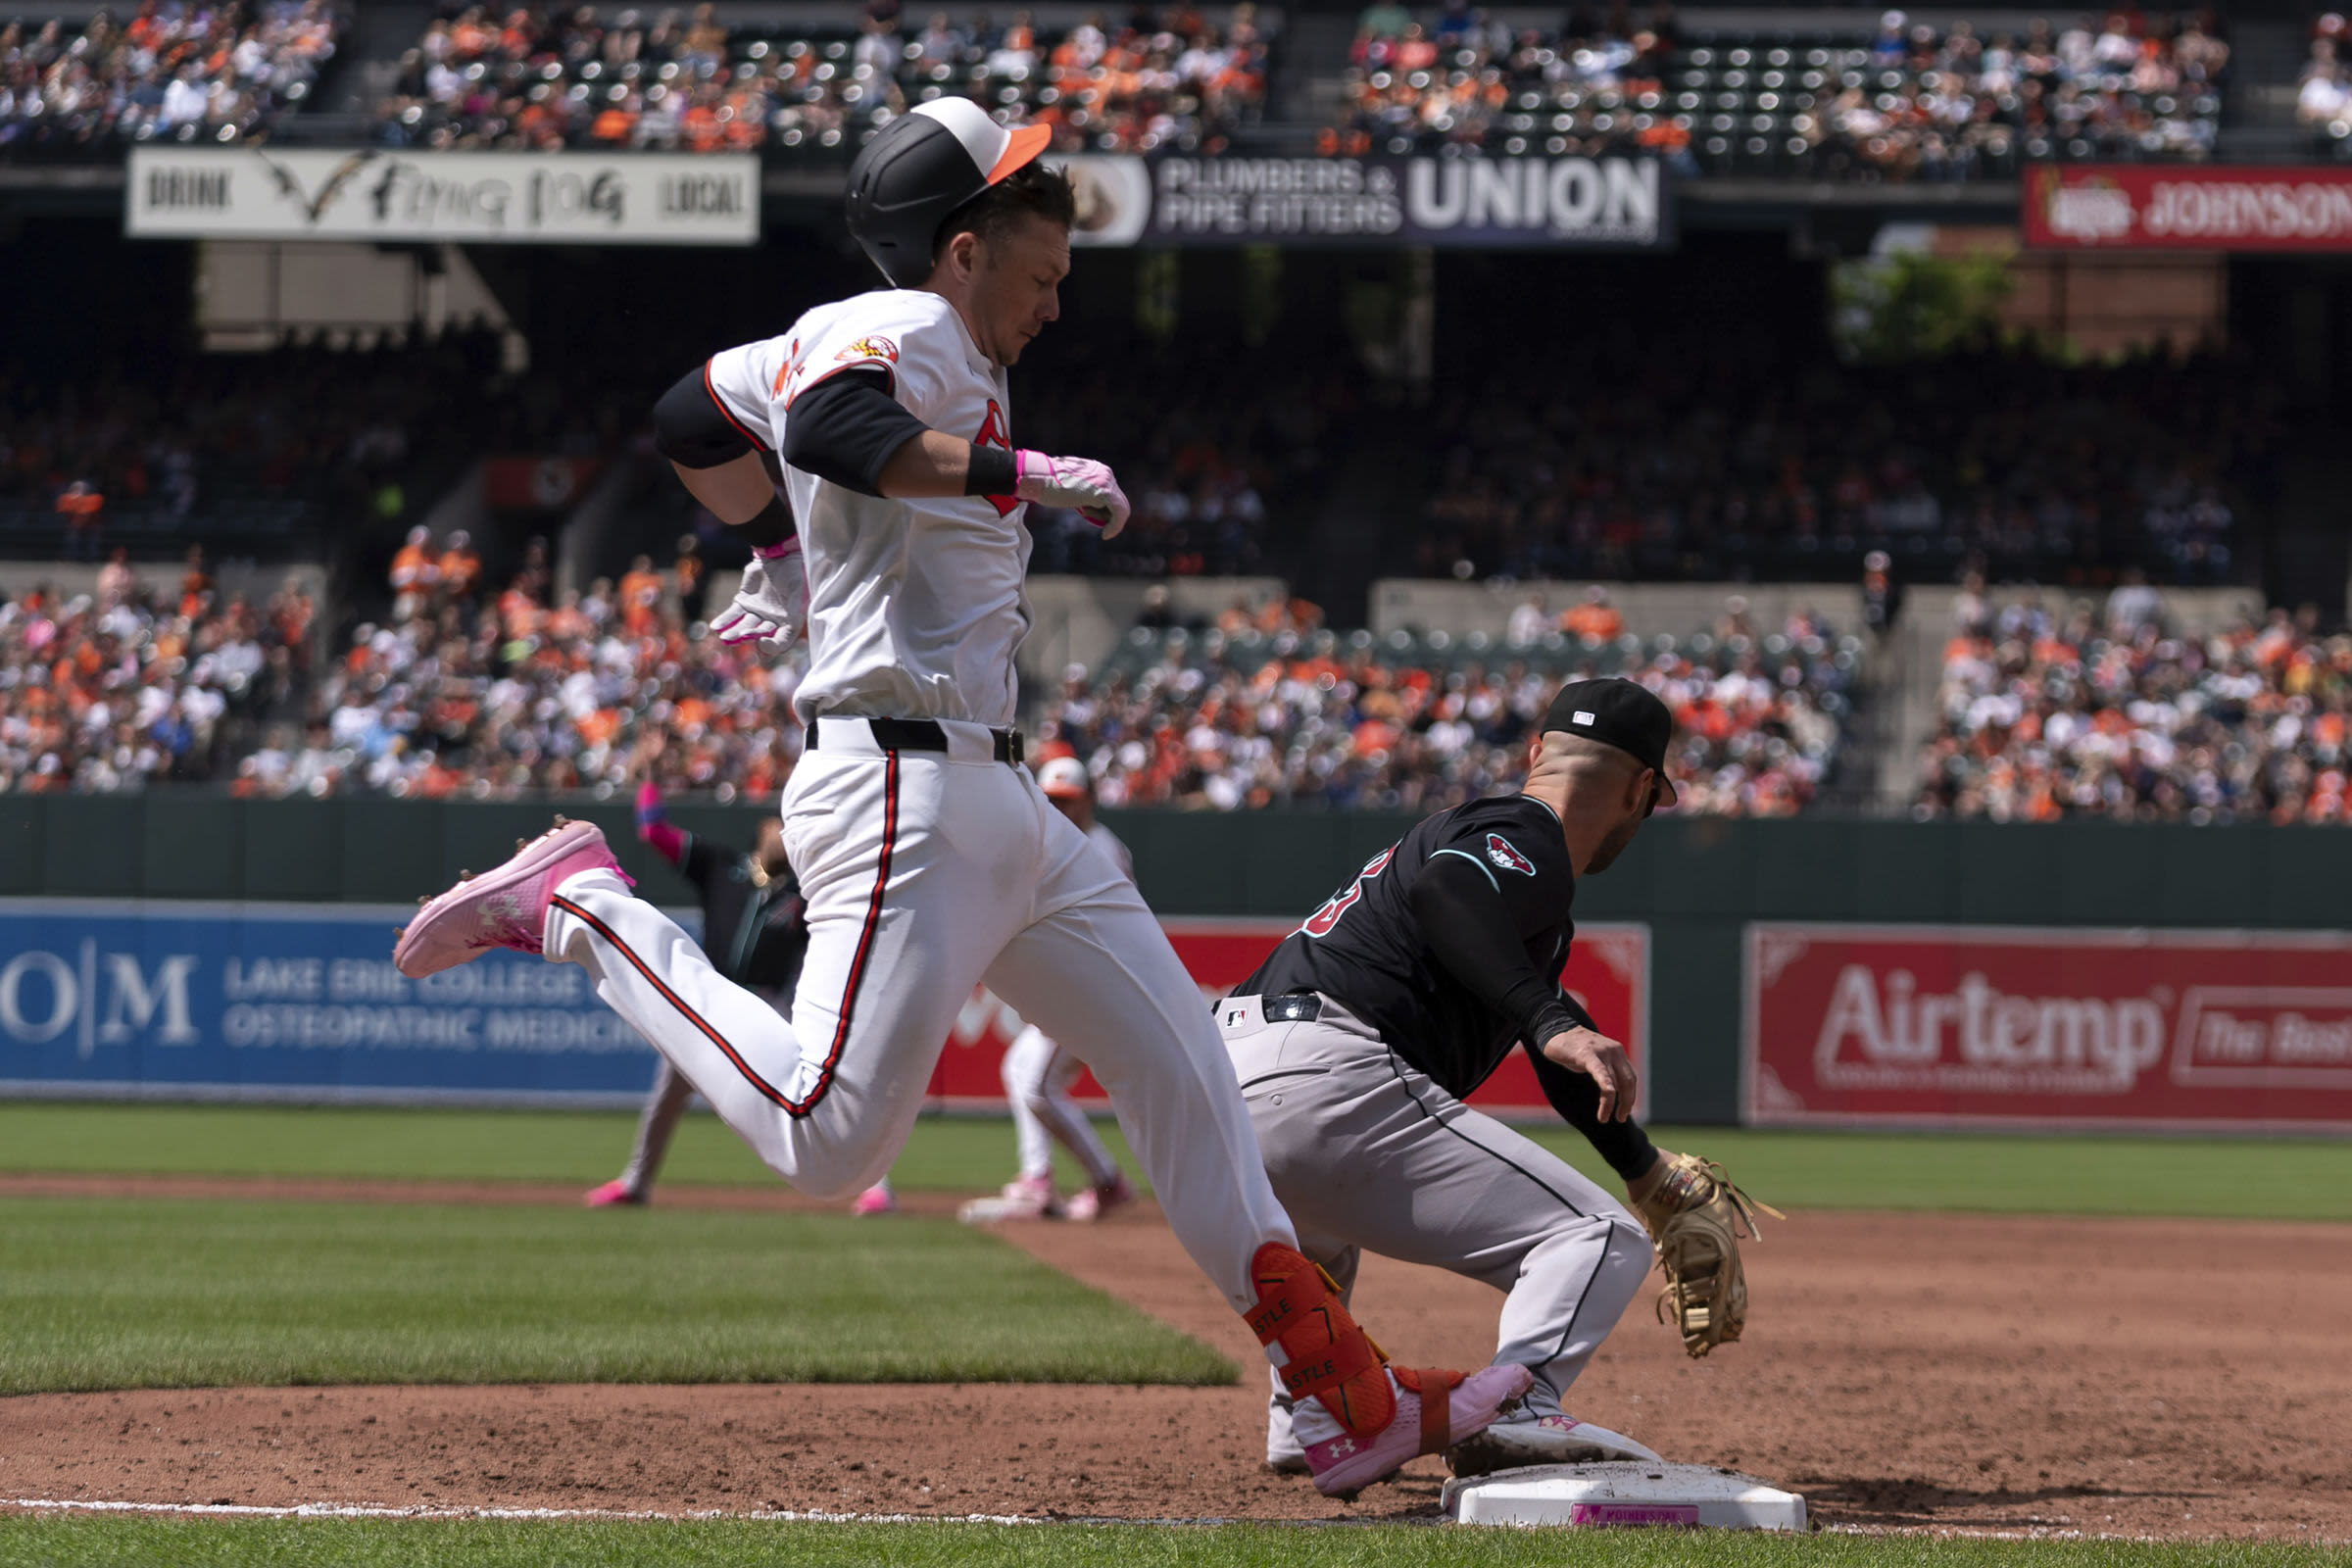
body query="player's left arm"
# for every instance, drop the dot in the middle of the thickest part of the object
(1476, 933)
(1575, 1096)
(852, 430)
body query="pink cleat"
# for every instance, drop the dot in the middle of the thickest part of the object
(502, 908)
(615, 1194)
(1093, 1202)
(1344, 1466)
(875, 1200)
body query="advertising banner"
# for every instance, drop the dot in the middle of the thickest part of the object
(1852, 1025)
(301, 1001)
(286, 1001)
(1608, 971)
(1613, 202)
(2186, 207)
(262, 192)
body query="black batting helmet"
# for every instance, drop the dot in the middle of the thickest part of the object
(922, 167)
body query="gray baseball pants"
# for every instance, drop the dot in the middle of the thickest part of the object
(1367, 1152)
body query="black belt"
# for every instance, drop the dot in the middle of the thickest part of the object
(926, 735)
(1295, 1006)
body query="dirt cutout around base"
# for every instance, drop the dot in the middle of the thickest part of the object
(2169, 1379)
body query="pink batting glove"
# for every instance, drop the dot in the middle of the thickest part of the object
(773, 604)
(1081, 483)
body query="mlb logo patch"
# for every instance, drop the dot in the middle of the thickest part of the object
(1499, 850)
(870, 348)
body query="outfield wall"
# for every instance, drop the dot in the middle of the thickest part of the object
(2250, 1027)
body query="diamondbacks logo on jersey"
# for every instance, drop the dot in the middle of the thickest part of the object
(994, 434)
(1499, 850)
(870, 348)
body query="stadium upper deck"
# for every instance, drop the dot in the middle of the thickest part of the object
(1824, 93)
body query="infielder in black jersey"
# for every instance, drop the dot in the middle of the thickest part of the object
(1360, 1037)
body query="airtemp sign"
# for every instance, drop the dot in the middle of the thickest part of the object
(264, 192)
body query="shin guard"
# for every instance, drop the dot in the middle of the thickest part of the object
(1325, 1356)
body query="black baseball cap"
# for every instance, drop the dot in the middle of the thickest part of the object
(1622, 713)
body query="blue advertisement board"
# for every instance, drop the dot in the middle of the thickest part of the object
(290, 1002)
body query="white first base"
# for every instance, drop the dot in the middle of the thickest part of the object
(1623, 1494)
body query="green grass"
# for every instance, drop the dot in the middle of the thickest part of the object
(104, 1543)
(2276, 1178)
(107, 1293)
(2231, 1177)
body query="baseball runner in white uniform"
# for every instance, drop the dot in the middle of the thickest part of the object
(1038, 1072)
(929, 860)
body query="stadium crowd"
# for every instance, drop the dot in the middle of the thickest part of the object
(138, 683)
(1913, 100)
(174, 69)
(586, 78)
(175, 445)
(461, 690)
(2074, 713)
(1271, 709)
(1741, 458)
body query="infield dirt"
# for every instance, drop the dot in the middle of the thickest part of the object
(2163, 1378)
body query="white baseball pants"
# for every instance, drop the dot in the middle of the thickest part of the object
(926, 875)
(1038, 1074)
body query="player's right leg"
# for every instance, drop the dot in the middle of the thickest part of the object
(1096, 967)
(1285, 1453)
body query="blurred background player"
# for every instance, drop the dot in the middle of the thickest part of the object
(753, 931)
(1038, 1072)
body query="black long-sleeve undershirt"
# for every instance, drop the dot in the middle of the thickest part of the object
(1473, 934)
(1577, 1097)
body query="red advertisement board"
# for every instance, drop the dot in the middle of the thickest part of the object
(1608, 971)
(1852, 1025)
(2184, 207)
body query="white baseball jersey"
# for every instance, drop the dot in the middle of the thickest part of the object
(915, 607)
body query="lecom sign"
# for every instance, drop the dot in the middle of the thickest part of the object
(1851, 1025)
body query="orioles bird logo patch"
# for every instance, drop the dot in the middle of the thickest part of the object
(870, 348)
(1500, 852)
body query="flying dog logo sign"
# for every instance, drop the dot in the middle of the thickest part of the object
(1956, 1025)
(544, 198)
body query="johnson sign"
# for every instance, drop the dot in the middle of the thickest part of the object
(1859, 1025)
(2169, 207)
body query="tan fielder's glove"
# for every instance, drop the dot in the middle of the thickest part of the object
(1696, 1218)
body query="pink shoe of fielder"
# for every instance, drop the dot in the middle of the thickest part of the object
(502, 908)
(1344, 1466)
(615, 1194)
(875, 1200)
(1093, 1202)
